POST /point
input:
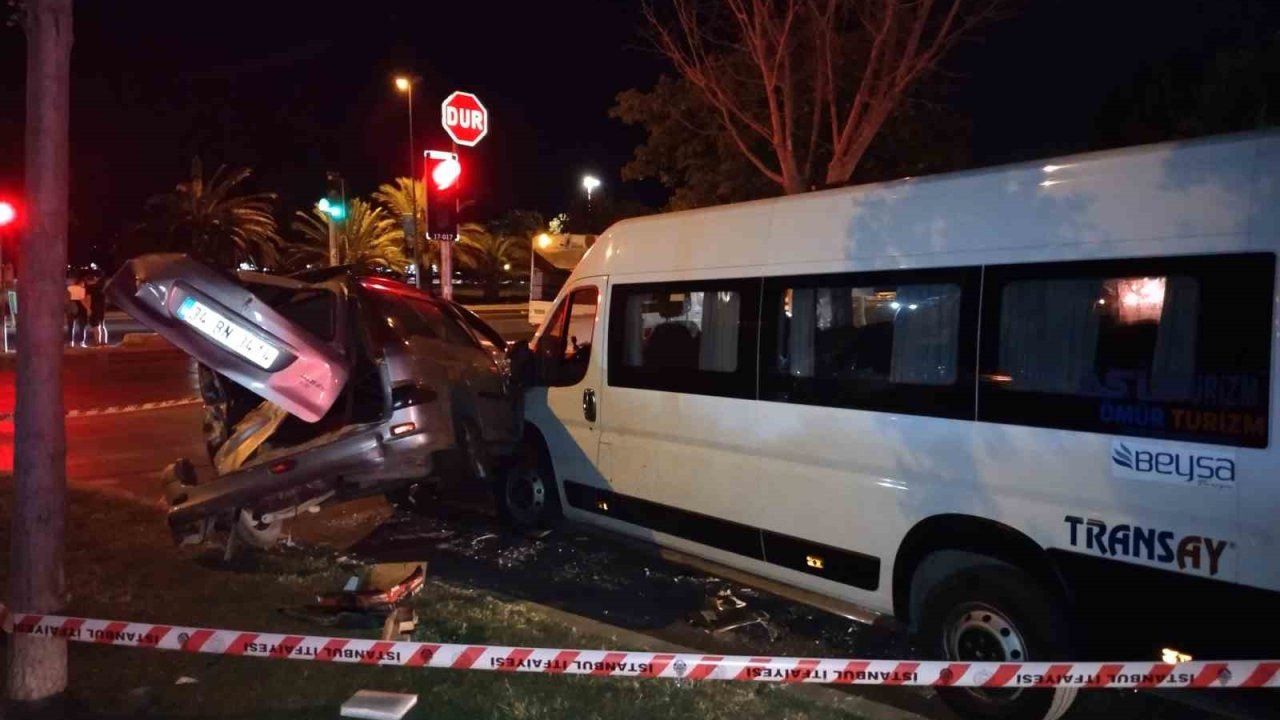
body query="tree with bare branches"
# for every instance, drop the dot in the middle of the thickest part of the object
(802, 87)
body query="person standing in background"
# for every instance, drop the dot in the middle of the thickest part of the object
(97, 309)
(77, 308)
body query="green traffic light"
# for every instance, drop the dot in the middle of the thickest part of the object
(333, 210)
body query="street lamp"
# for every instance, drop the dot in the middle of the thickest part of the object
(590, 183)
(405, 85)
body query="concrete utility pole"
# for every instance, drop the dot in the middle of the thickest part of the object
(38, 665)
(333, 242)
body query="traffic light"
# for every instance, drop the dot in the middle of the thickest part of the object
(8, 213)
(443, 172)
(334, 204)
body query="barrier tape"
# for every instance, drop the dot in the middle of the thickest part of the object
(672, 666)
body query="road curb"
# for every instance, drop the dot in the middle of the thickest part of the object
(119, 409)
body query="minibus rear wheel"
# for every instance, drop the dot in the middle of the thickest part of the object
(525, 491)
(995, 612)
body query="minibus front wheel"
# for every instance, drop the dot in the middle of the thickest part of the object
(525, 491)
(995, 612)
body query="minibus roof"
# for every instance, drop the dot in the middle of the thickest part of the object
(1218, 194)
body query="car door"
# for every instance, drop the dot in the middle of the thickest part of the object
(489, 376)
(567, 405)
(220, 322)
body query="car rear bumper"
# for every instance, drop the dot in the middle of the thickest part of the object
(361, 461)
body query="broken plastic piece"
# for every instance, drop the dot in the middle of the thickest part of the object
(378, 705)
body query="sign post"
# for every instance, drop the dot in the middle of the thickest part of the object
(466, 120)
(440, 180)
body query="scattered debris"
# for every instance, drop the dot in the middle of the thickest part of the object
(334, 617)
(399, 624)
(367, 600)
(723, 611)
(378, 705)
(382, 588)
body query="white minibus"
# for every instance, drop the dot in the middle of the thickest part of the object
(1026, 409)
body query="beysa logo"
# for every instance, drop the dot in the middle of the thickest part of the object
(1156, 462)
(1190, 552)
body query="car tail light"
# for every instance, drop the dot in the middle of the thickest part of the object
(403, 396)
(403, 429)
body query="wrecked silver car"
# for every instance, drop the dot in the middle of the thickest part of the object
(320, 388)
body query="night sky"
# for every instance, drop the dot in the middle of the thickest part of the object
(293, 89)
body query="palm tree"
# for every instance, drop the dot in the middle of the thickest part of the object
(204, 217)
(396, 199)
(367, 236)
(492, 256)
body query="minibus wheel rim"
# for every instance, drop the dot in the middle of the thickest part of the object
(527, 495)
(978, 632)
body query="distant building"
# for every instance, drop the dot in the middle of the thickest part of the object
(554, 258)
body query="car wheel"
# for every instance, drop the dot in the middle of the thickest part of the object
(251, 530)
(526, 492)
(996, 613)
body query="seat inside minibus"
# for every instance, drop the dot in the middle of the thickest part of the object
(673, 343)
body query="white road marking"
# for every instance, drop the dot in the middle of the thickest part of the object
(120, 409)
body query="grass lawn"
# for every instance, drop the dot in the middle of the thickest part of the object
(120, 565)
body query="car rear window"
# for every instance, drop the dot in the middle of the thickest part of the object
(311, 310)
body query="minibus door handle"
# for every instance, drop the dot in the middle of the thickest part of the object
(589, 404)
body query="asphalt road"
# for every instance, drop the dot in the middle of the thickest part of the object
(587, 576)
(511, 321)
(118, 325)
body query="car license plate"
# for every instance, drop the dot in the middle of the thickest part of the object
(226, 333)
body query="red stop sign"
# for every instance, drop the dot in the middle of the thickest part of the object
(464, 118)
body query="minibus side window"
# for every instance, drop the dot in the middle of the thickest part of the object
(1176, 348)
(692, 337)
(565, 348)
(899, 341)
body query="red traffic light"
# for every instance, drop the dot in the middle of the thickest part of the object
(446, 173)
(8, 213)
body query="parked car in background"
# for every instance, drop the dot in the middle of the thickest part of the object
(320, 388)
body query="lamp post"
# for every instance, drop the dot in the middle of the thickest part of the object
(405, 85)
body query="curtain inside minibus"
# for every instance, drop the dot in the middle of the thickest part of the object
(1079, 336)
(906, 335)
